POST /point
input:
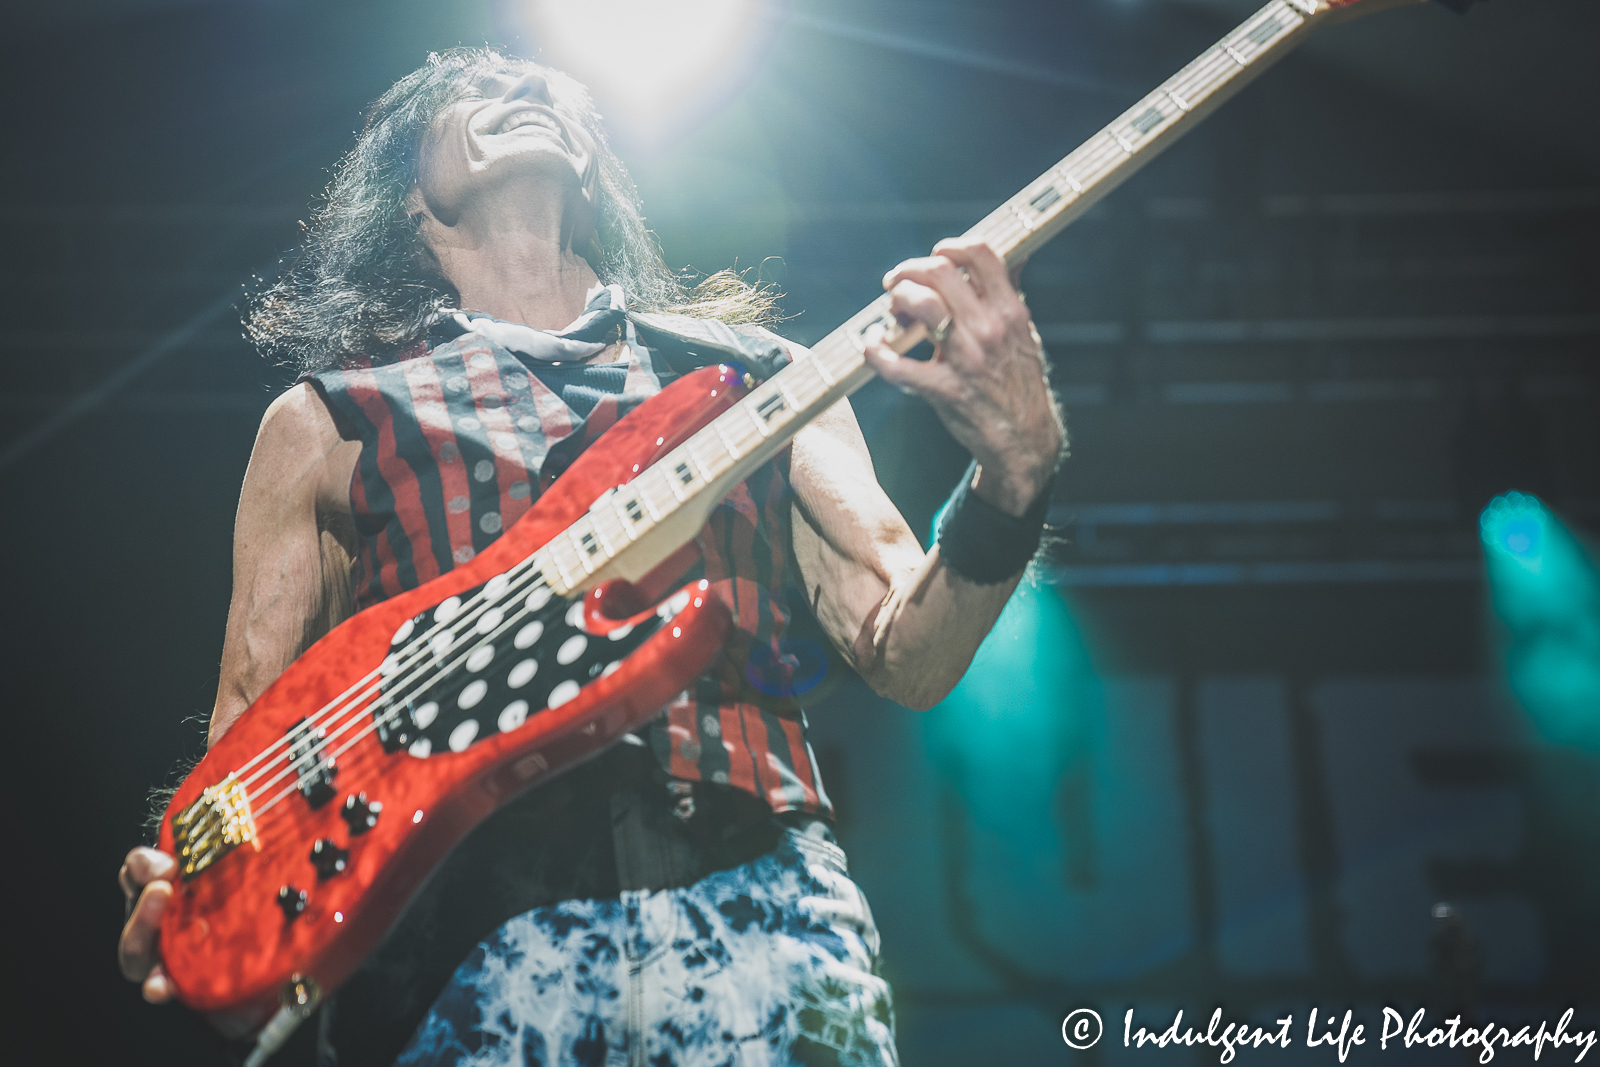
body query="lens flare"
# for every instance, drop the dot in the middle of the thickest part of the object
(650, 59)
(1545, 590)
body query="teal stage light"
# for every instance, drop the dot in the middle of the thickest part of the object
(1024, 713)
(1515, 526)
(1545, 590)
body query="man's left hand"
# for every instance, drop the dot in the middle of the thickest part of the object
(986, 379)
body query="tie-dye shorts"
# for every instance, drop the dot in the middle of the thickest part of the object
(771, 962)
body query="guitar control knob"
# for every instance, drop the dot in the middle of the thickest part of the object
(361, 813)
(328, 858)
(292, 901)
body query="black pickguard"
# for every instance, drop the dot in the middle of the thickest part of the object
(443, 698)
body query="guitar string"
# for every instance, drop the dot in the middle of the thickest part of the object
(747, 436)
(419, 646)
(422, 649)
(1011, 230)
(630, 624)
(313, 720)
(203, 830)
(414, 648)
(353, 702)
(352, 714)
(330, 760)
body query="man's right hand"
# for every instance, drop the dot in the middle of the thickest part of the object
(144, 882)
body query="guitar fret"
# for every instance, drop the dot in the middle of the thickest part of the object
(599, 531)
(688, 446)
(787, 395)
(1204, 76)
(761, 427)
(566, 578)
(644, 493)
(681, 473)
(822, 371)
(622, 516)
(1176, 99)
(583, 556)
(732, 451)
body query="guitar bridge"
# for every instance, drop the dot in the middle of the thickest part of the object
(213, 826)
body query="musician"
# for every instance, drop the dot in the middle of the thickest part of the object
(476, 303)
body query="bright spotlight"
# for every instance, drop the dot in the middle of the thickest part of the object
(1545, 589)
(1515, 525)
(648, 58)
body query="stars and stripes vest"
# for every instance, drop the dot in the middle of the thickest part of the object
(455, 438)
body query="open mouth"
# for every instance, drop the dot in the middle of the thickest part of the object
(518, 119)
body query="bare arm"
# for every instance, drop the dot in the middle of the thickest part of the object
(907, 622)
(291, 584)
(291, 560)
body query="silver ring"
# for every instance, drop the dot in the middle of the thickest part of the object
(938, 334)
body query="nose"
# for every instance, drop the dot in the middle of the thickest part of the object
(531, 86)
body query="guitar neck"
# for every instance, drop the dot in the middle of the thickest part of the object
(629, 531)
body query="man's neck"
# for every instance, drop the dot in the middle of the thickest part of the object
(515, 262)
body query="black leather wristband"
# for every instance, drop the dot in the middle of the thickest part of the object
(982, 543)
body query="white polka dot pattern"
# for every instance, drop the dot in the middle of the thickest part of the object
(528, 634)
(514, 715)
(531, 653)
(522, 673)
(463, 734)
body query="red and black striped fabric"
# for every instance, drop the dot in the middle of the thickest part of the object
(454, 443)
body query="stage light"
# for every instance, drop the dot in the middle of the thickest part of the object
(1514, 525)
(1022, 714)
(1545, 590)
(645, 58)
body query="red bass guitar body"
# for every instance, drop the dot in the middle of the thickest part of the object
(310, 825)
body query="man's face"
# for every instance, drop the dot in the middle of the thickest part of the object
(510, 131)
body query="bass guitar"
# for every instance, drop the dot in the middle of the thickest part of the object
(308, 827)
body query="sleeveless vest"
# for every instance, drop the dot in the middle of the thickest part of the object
(457, 437)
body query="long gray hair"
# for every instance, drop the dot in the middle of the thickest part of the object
(362, 283)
